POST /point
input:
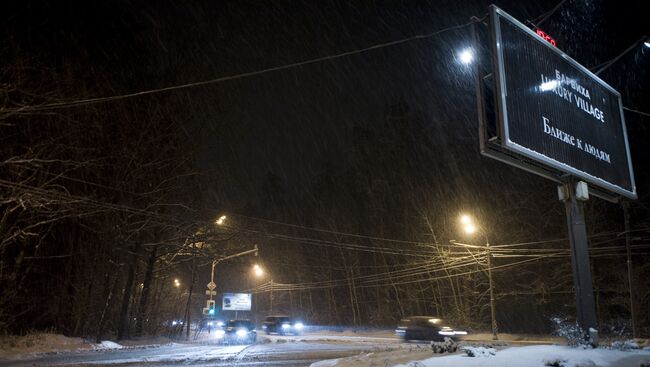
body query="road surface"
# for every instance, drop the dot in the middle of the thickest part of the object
(273, 350)
(270, 351)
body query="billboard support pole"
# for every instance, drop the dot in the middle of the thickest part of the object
(626, 216)
(577, 229)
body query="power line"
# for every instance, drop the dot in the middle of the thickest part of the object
(342, 282)
(89, 101)
(346, 234)
(646, 114)
(370, 237)
(544, 17)
(337, 244)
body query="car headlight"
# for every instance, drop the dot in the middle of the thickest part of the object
(219, 334)
(209, 323)
(174, 323)
(219, 323)
(241, 333)
(298, 325)
(286, 326)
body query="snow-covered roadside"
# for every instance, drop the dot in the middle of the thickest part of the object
(528, 356)
(14, 346)
(390, 358)
(18, 347)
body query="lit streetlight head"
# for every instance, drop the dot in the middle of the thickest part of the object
(466, 56)
(465, 219)
(469, 228)
(177, 283)
(257, 270)
(220, 220)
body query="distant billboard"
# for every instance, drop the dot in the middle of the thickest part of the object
(236, 302)
(556, 112)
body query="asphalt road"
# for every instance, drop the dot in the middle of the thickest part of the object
(273, 352)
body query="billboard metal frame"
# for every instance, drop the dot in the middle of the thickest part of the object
(502, 116)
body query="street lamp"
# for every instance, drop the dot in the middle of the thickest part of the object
(470, 228)
(465, 219)
(221, 220)
(177, 283)
(258, 271)
(466, 56)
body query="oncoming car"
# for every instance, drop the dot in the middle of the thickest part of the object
(238, 331)
(282, 325)
(426, 328)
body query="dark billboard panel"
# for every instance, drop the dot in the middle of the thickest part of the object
(556, 112)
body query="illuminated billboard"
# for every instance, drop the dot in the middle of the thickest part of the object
(236, 302)
(552, 110)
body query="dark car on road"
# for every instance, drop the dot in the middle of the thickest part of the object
(239, 331)
(282, 325)
(426, 328)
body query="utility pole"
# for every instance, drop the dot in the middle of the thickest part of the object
(492, 305)
(188, 308)
(271, 297)
(626, 216)
(210, 307)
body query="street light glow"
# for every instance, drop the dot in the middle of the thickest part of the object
(465, 219)
(469, 228)
(258, 270)
(177, 283)
(220, 221)
(647, 43)
(466, 56)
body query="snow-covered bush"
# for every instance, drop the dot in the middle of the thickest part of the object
(624, 345)
(479, 351)
(619, 329)
(571, 331)
(555, 362)
(446, 346)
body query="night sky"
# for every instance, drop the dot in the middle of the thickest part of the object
(289, 122)
(300, 145)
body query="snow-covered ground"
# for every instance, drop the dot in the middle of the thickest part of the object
(27, 346)
(41, 343)
(526, 356)
(365, 348)
(47, 343)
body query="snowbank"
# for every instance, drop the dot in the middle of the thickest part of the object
(46, 343)
(401, 353)
(545, 355)
(107, 344)
(528, 356)
(40, 343)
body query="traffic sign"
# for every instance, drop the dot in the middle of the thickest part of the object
(212, 286)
